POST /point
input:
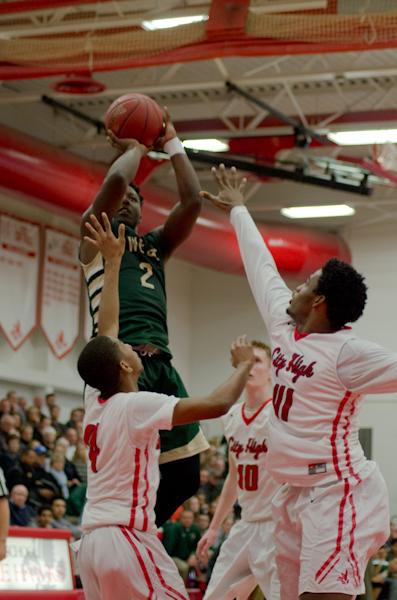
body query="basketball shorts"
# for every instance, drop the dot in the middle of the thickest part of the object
(246, 559)
(116, 562)
(325, 535)
(182, 441)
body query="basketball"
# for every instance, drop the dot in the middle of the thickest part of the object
(136, 116)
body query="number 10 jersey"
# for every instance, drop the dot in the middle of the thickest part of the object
(245, 431)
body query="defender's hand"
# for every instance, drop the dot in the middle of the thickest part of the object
(241, 351)
(103, 238)
(230, 186)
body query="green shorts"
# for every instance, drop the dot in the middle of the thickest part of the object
(183, 440)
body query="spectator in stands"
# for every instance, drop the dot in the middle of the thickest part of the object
(17, 422)
(38, 402)
(33, 418)
(21, 513)
(76, 418)
(61, 446)
(43, 518)
(50, 401)
(58, 508)
(45, 487)
(49, 435)
(5, 407)
(26, 435)
(44, 423)
(10, 458)
(193, 504)
(203, 523)
(180, 540)
(7, 427)
(392, 554)
(16, 409)
(23, 472)
(55, 413)
(80, 462)
(57, 470)
(73, 438)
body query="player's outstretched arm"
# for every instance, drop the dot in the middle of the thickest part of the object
(270, 292)
(111, 247)
(183, 216)
(218, 403)
(113, 188)
(223, 508)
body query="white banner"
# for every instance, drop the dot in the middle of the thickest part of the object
(19, 273)
(60, 305)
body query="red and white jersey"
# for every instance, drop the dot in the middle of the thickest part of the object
(319, 379)
(122, 434)
(245, 433)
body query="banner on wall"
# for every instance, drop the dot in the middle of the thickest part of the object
(60, 303)
(19, 274)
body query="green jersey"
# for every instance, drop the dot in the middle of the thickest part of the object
(143, 302)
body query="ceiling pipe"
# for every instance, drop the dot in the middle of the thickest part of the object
(41, 171)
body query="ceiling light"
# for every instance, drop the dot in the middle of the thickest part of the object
(368, 136)
(275, 6)
(211, 145)
(312, 212)
(172, 22)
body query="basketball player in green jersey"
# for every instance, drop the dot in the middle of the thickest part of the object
(143, 310)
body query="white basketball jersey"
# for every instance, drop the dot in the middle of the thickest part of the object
(122, 434)
(245, 433)
(318, 379)
(313, 431)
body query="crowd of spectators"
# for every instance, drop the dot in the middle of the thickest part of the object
(45, 465)
(44, 462)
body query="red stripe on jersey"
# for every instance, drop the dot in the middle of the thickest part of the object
(346, 443)
(287, 404)
(141, 562)
(278, 394)
(338, 544)
(334, 434)
(135, 485)
(145, 493)
(247, 420)
(356, 568)
(331, 568)
(174, 592)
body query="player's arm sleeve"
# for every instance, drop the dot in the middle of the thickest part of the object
(147, 411)
(366, 368)
(271, 294)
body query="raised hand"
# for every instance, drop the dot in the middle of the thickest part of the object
(230, 184)
(124, 144)
(241, 351)
(103, 238)
(169, 131)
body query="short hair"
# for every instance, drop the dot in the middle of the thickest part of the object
(98, 365)
(42, 508)
(136, 188)
(262, 346)
(344, 290)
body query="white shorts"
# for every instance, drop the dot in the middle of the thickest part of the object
(325, 535)
(115, 562)
(246, 559)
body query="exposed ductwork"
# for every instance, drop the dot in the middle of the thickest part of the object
(63, 180)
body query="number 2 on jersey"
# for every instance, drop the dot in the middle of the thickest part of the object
(248, 477)
(90, 434)
(149, 272)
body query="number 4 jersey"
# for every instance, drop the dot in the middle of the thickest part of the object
(143, 303)
(245, 431)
